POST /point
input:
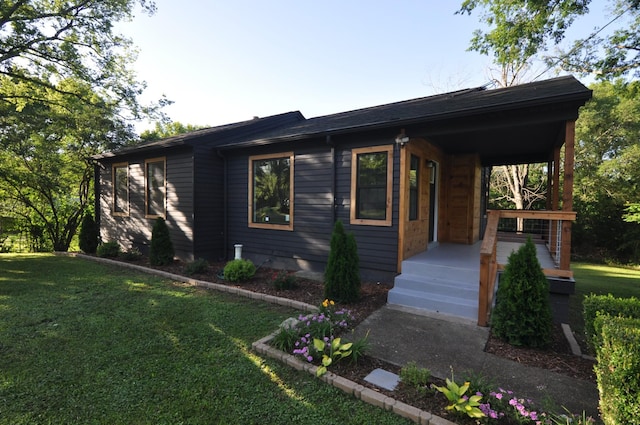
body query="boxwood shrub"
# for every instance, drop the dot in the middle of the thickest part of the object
(618, 369)
(239, 270)
(594, 305)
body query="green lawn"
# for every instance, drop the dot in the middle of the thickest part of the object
(85, 343)
(623, 282)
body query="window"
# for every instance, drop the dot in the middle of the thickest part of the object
(155, 187)
(271, 191)
(371, 185)
(120, 173)
(414, 179)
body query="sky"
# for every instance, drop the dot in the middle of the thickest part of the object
(227, 61)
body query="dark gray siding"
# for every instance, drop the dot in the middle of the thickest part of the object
(134, 230)
(208, 205)
(307, 246)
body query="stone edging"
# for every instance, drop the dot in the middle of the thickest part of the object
(262, 346)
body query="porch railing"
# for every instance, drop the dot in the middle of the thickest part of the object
(553, 228)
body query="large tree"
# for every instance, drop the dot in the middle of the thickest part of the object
(67, 91)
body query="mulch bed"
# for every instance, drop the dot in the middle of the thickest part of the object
(557, 358)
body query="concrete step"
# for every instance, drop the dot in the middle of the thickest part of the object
(462, 274)
(464, 290)
(434, 302)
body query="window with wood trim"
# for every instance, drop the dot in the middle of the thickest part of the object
(155, 187)
(371, 185)
(120, 173)
(271, 191)
(414, 187)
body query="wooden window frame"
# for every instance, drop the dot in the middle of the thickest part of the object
(388, 149)
(251, 223)
(146, 187)
(114, 198)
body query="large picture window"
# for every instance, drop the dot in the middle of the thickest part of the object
(155, 187)
(120, 173)
(271, 191)
(371, 185)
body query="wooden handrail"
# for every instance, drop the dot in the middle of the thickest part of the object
(488, 263)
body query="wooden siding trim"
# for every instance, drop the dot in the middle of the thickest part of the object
(388, 149)
(286, 227)
(162, 159)
(113, 190)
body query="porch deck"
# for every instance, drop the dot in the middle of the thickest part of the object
(445, 279)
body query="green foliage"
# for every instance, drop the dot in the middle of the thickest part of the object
(132, 254)
(239, 270)
(460, 401)
(167, 129)
(89, 235)
(522, 315)
(342, 275)
(198, 266)
(282, 280)
(331, 351)
(597, 305)
(161, 251)
(618, 370)
(109, 249)
(415, 376)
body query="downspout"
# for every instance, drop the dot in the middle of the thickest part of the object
(329, 142)
(225, 205)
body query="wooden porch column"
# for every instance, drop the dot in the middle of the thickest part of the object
(553, 200)
(567, 192)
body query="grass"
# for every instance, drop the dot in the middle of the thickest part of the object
(85, 343)
(622, 282)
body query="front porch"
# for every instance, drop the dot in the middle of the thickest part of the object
(460, 280)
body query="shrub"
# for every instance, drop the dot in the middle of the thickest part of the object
(522, 315)
(132, 254)
(198, 266)
(594, 305)
(89, 235)
(239, 270)
(415, 376)
(161, 251)
(283, 280)
(109, 249)
(618, 369)
(342, 275)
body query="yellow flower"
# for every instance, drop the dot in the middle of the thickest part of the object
(326, 303)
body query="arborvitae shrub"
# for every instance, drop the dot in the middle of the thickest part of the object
(161, 251)
(522, 315)
(89, 234)
(239, 270)
(342, 275)
(197, 266)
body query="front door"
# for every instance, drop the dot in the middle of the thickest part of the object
(418, 199)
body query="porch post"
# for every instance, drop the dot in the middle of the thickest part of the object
(554, 199)
(567, 193)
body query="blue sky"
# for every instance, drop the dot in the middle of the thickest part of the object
(228, 61)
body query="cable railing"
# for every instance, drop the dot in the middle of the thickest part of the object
(551, 228)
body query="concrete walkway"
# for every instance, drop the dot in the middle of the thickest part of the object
(442, 343)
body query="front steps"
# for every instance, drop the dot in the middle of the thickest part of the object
(446, 285)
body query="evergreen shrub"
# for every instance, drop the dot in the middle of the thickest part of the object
(342, 275)
(88, 238)
(522, 316)
(109, 249)
(239, 270)
(618, 369)
(161, 250)
(196, 267)
(595, 305)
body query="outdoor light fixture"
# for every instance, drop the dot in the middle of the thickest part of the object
(402, 140)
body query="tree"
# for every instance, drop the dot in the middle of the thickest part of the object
(607, 173)
(342, 275)
(167, 129)
(519, 30)
(89, 235)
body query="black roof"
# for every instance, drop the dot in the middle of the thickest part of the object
(516, 124)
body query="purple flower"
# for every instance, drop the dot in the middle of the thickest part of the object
(309, 359)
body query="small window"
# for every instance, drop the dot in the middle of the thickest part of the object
(120, 173)
(414, 182)
(155, 187)
(271, 191)
(371, 185)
